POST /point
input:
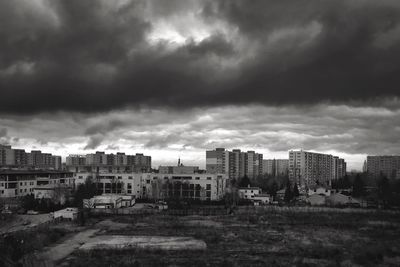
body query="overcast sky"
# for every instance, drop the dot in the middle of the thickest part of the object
(174, 78)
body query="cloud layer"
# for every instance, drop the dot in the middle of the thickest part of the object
(351, 132)
(91, 56)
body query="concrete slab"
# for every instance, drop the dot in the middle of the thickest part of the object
(144, 242)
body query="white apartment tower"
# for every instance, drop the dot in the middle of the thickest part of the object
(309, 168)
(235, 164)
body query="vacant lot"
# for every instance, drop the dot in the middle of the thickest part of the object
(257, 238)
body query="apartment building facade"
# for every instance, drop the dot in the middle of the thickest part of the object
(100, 162)
(20, 183)
(309, 169)
(159, 185)
(18, 158)
(383, 166)
(276, 167)
(235, 164)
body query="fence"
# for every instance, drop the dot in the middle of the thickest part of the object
(307, 209)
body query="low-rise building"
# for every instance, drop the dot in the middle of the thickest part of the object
(23, 182)
(67, 213)
(262, 198)
(249, 192)
(319, 190)
(109, 201)
(200, 186)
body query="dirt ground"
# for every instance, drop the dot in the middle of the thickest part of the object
(21, 222)
(255, 237)
(261, 239)
(143, 242)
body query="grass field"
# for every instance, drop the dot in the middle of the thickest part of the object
(264, 238)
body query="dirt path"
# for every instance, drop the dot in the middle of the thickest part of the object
(23, 222)
(60, 251)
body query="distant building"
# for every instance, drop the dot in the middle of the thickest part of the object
(319, 190)
(388, 166)
(67, 213)
(76, 160)
(276, 167)
(309, 169)
(11, 158)
(235, 164)
(217, 161)
(24, 182)
(200, 186)
(249, 192)
(179, 169)
(102, 162)
(109, 201)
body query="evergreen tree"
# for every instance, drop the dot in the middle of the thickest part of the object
(296, 192)
(384, 190)
(346, 182)
(358, 186)
(273, 189)
(84, 191)
(244, 182)
(288, 193)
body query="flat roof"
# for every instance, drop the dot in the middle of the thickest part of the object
(7, 172)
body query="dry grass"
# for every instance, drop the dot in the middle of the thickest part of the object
(281, 238)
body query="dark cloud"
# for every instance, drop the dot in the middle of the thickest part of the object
(94, 142)
(3, 132)
(97, 56)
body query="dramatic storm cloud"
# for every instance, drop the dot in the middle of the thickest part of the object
(101, 55)
(176, 77)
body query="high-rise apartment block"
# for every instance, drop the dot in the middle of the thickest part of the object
(18, 158)
(387, 166)
(276, 167)
(309, 168)
(235, 164)
(100, 161)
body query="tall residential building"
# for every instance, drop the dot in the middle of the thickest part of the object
(141, 163)
(18, 158)
(100, 162)
(388, 166)
(235, 163)
(217, 161)
(276, 167)
(309, 168)
(76, 160)
(339, 168)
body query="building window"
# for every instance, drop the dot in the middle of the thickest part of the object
(208, 186)
(147, 181)
(130, 177)
(208, 178)
(197, 178)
